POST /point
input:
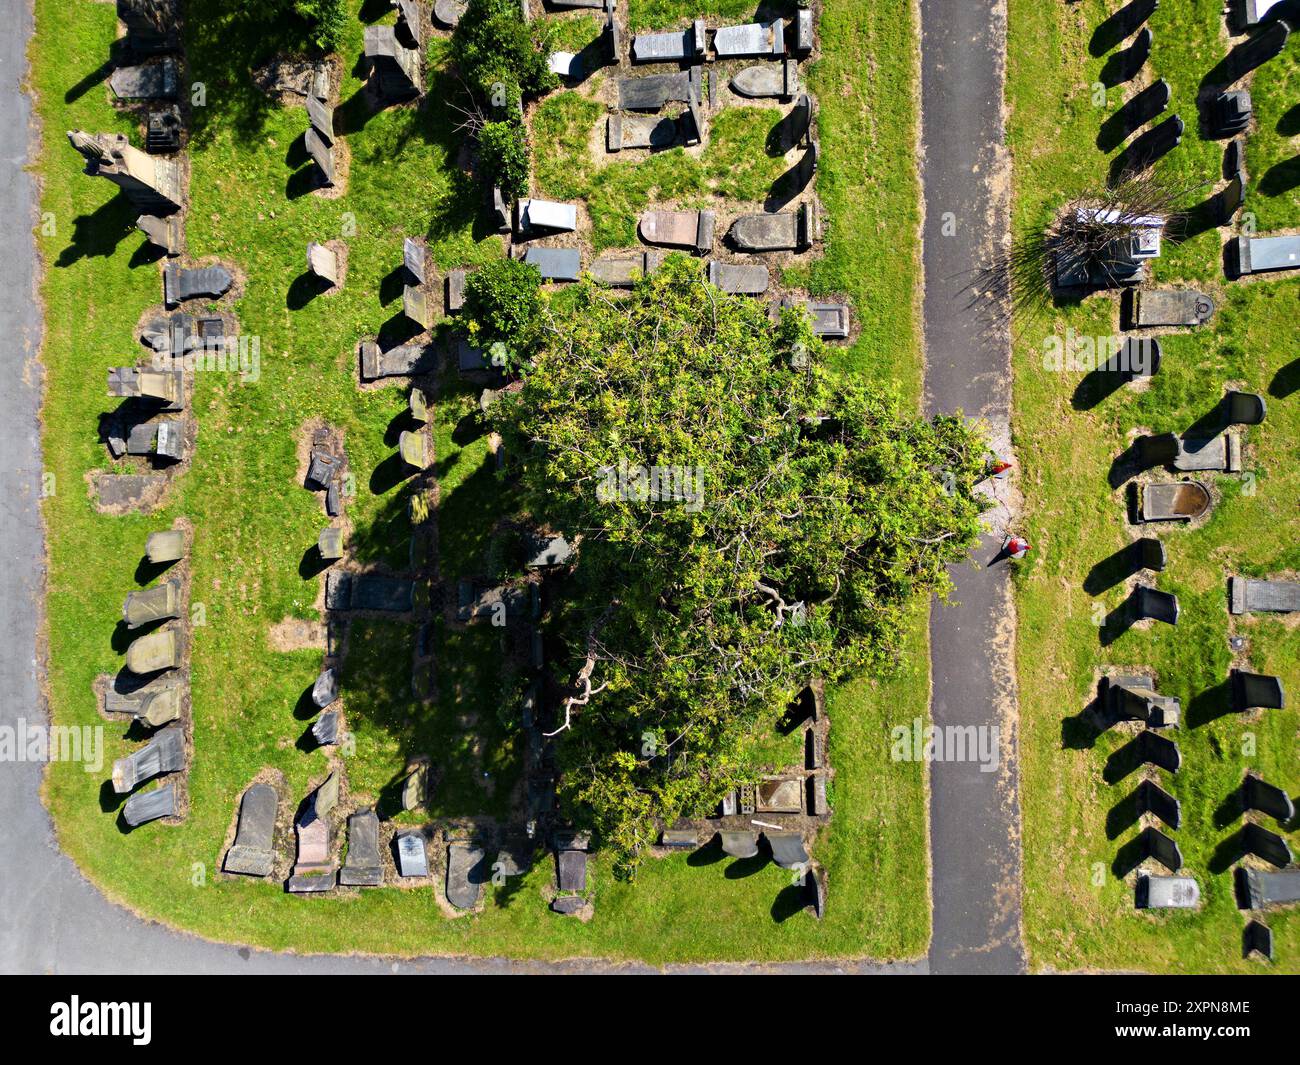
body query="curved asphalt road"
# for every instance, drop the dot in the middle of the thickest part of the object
(974, 815)
(52, 920)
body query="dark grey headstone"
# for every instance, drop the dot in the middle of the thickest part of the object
(748, 280)
(1151, 798)
(1279, 597)
(1257, 255)
(165, 753)
(465, 874)
(1258, 49)
(405, 360)
(1258, 794)
(1252, 690)
(555, 264)
(651, 92)
(1158, 750)
(1166, 893)
(1155, 844)
(390, 595)
(326, 729)
(326, 689)
(252, 853)
(322, 119)
(150, 81)
(1174, 501)
(321, 154)
(1263, 843)
(571, 870)
(1157, 605)
(362, 867)
(1257, 938)
(1258, 890)
(150, 805)
(207, 282)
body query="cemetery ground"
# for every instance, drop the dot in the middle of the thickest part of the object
(253, 522)
(1078, 906)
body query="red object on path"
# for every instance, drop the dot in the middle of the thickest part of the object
(1016, 547)
(999, 469)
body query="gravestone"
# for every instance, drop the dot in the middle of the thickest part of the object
(1258, 794)
(1166, 893)
(621, 269)
(165, 753)
(162, 131)
(159, 603)
(158, 80)
(165, 546)
(153, 653)
(413, 260)
(205, 282)
(415, 306)
(1257, 255)
(681, 229)
(546, 216)
(681, 839)
(744, 280)
(751, 39)
(1243, 408)
(448, 12)
(1258, 49)
(1256, 690)
(630, 130)
(1259, 890)
(1256, 937)
(465, 874)
(362, 867)
(323, 263)
(1231, 197)
(330, 543)
(146, 806)
(1155, 844)
(787, 849)
(321, 155)
(325, 690)
(405, 360)
(151, 183)
(321, 116)
(804, 37)
(767, 80)
(164, 233)
(396, 71)
(1124, 66)
(1247, 596)
(653, 91)
(1263, 843)
(673, 46)
(412, 857)
(571, 869)
(783, 231)
(1165, 307)
(1151, 798)
(556, 264)
(1148, 553)
(1158, 750)
(410, 22)
(152, 27)
(413, 449)
(154, 390)
(830, 321)
(455, 291)
(739, 844)
(1131, 697)
(154, 704)
(1173, 501)
(325, 731)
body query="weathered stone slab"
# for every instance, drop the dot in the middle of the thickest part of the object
(629, 130)
(679, 839)
(621, 269)
(321, 116)
(670, 47)
(571, 869)
(829, 320)
(1248, 596)
(326, 688)
(413, 449)
(546, 216)
(159, 603)
(754, 38)
(415, 306)
(1151, 798)
(165, 753)
(153, 653)
(325, 731)
(653, 91)
(448, 12)
(681, 229)
(1256, 255)
(158, 390)
(787, 849)
(252, 853)
(1258, 794)
(1266, 844)
(322, 262)
(767, 79)
(165, 546)
(1252, 691)
(1259, 890)
(455, 291)
(566, 65)
(555, 264)
(150, 805)
(151, 183)
(780, 796)
(321, 154)
(804, 35)
(786, 231)
(154, 704)
(465, 874)
(362, 866)
(741, 844)
(164, 233)
(390, 595)
(410, 22)
(743, 280)
(406, 360)
(568, 904)
(1166, 893)
(1164, 307)
(1174, 501)
(413, 259)
(149, 81)
(395, 70)
(205, 282)
(469, 358)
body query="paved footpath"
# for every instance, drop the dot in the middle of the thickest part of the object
(974, 815)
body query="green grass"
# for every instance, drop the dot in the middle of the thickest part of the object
(253, 522)
(1076, 520)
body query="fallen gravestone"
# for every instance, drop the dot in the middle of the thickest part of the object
(162, 390)
(413, 449)
(406, 360)
(330, 544)
(752, 39)
(150, 805)
(165, 753)
(368, 591)
(622, 269)
(158, 440)
(410, 22)
(415, 306)
(1257, 255)
(555, 264)
(829, 320)
(1259, 890)
(1252, 691)
(465, 876)
(739, 280)
(153, 653)
(252, 853)
(1173, 501)
(1155, 307)
(1247, 596)
(1166, 893)
(1191, 454)
(1132, 697)
(679, 229)
(152, 604)
(154, 704)
(326, 729)
(629, 130)
(767, 79)
(679, 839)
(165, 233)
(571, 869)
(412, 858)
(325, 690)
(568, 904)
(786, 231)
(148, 81)
(674, 46)
(739, 844)
(362, 866)
(395, 70)
(323, 263)
(1258, 794)
(545, 216)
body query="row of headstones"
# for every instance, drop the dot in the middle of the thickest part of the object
(152, 37)
(155, 688)
(394, 55)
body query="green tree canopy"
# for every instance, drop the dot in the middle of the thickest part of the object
(498, 53)
(784, 520)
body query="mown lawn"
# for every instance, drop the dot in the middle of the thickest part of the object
(1078, 911)
(253, 522)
